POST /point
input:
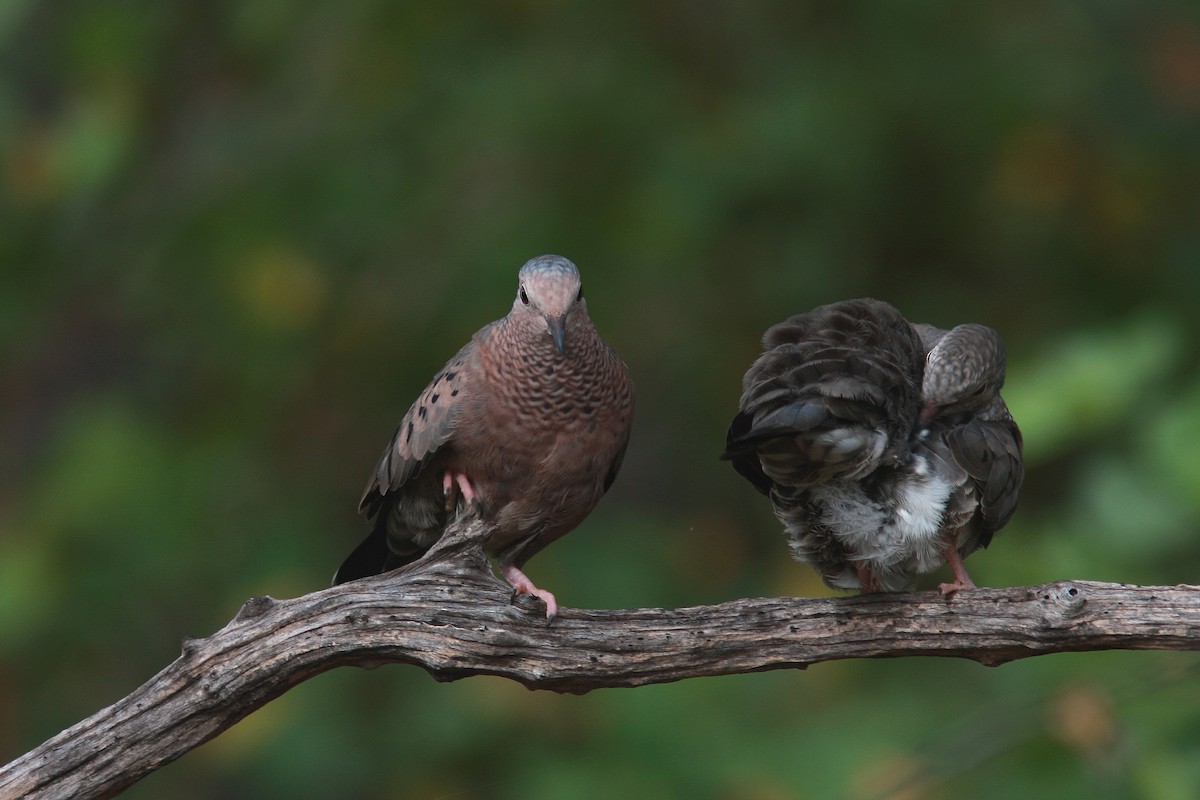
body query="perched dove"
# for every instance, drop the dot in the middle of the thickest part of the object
(885, 447)
(526, 426)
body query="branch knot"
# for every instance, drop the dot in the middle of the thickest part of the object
(1063, 601)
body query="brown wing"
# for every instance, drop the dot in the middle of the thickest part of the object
(427, 426)
(832, 385)
(989, 449)
(615, 466)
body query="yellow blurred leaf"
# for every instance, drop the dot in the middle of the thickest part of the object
(281, 289)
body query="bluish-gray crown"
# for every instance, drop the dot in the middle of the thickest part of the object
(547, 265)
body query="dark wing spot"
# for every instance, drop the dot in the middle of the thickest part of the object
(454, 393)
(434, 397)
(408, 435)
(612, 474)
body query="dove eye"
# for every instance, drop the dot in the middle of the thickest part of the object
(524, 297)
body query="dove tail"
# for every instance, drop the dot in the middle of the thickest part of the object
(367, 559)
(378, 553)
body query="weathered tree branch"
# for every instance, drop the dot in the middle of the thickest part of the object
(450, 616)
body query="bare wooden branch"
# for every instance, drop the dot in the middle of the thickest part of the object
(450, 616)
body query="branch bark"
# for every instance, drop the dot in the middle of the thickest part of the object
(450, 616)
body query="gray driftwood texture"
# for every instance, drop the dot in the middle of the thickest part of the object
(448, 615)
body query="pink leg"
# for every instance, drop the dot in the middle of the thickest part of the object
(522, 585)
(866, 580)
(464, 486)
(457, 480)
(961, 579)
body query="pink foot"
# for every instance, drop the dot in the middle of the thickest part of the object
(961, 579)
(452, 480)
(947, 589)
(522, 585)
(464, 486)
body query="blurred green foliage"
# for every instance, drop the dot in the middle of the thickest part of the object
(236, 238)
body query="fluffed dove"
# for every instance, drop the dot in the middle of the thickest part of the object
(526, 426)
(885, 447)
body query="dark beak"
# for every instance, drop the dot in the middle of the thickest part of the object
(558, 331)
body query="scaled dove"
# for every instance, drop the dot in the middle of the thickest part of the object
(526, 426)
(885, 447)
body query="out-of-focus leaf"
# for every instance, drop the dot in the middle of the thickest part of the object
(1089, 383)
(1172, 439)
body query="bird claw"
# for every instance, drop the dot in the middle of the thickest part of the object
(950, 589)
(962, 580)
(455, 484)
(522, 585)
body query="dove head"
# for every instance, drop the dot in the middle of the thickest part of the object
(550, 297)
(963, 371)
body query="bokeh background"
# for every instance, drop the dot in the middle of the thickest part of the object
(237, 238)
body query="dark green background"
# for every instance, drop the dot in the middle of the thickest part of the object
(237, 238)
